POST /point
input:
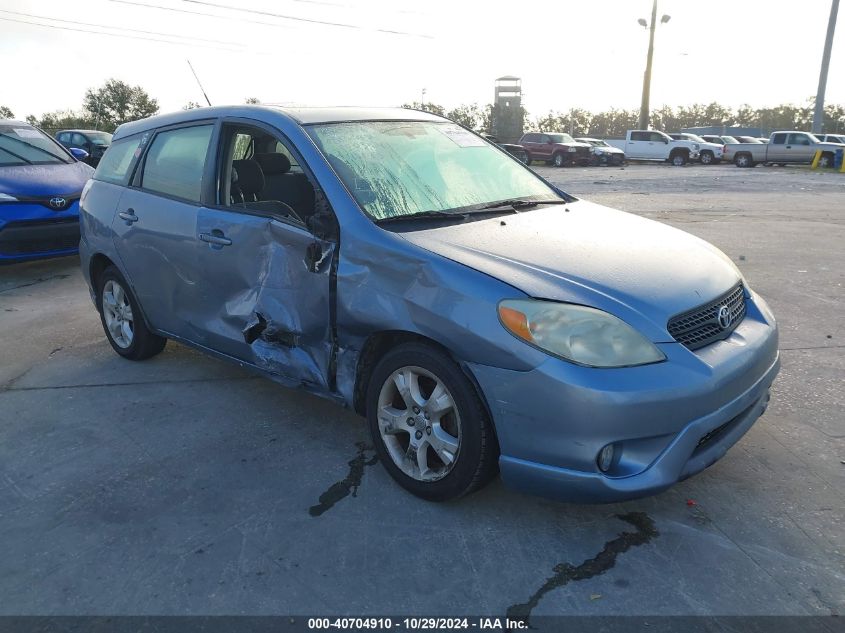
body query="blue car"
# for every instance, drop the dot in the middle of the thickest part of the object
(40, 186)
(478, 317)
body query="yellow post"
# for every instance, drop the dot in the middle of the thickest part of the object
(842, 169)
(816, 159)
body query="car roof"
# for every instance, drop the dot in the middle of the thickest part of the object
(299, 115)
(73, 129)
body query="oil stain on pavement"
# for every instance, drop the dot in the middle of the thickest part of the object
(349, 484)
(602, 562)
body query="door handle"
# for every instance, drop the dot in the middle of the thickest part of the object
(128, 216)
(216, 238)
(789, 147)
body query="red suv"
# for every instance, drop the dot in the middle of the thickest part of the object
(556, 148)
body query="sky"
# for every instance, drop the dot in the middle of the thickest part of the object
(569, 53)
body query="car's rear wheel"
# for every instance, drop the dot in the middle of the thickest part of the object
(743, 160)
(826, 160)
(430, 428)
(679, 159)
(558, 160)
(122, 320)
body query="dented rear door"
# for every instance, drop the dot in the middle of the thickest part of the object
(265, 296)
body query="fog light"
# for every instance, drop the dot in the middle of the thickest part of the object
(605, 458)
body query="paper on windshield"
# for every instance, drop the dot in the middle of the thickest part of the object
(26, 132)
(461, 137)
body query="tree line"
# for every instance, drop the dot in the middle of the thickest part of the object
(615, 122)
(116, 102)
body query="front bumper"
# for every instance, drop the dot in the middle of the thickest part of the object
(31, 231)
(667, 421)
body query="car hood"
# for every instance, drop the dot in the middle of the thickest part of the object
(642, 271)
(44, 180)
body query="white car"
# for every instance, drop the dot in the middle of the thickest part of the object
(832, 138)
(708, 153)
(602, 152)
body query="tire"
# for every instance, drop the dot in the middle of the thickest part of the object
(462, 433)
(526, 159)
(743, 160)
(706, 158)
(826, 160)
(679, 159)
(558, 160)
(122, 319)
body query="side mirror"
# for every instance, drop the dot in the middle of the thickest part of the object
(79, 154)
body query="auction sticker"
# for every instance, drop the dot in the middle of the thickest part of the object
(461, 137)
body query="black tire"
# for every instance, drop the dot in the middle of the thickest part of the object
(144, 344)
(476, 461)
(826, 160)
(526, 158)
(559, 160)
(706, 157)
(679, 159)
(743, 160)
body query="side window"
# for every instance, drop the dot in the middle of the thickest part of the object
(798, 139)
(657, 137)
(260, 173)
(116, 163)
(63, 138)
(77, 140)
(640, 136)
(175, 162)
(542, 138)
(778, 139)
(531, 138)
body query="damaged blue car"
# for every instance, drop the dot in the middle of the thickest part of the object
(480, 318)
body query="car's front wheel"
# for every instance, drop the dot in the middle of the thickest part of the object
(706, 158)
(559, 160)
(430, 429)
(122, 320)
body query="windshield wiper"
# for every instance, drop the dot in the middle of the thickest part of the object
(518, 204)
(422, 215)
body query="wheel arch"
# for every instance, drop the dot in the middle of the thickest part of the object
(378, 344)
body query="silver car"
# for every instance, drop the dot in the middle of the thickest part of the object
(480, 318)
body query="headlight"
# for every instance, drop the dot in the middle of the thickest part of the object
(696, 146)
(577, 333)
(5, 197)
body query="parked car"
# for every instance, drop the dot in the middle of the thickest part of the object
(708, 153)
(556, 148)
(477, 315)
(718, 140)
(748, 139)
(833, 138)
(603, 154)
(517, 151)
(654, 145)
(40, 185)
(92, 141)
(783, 148)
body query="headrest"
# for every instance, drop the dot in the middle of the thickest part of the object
(250, 176)
(273, 163)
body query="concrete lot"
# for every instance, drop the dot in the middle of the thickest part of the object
(184, 485)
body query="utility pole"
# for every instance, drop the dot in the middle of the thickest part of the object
(818, 115)
(647, 75)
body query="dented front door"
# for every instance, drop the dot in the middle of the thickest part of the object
(265, 294)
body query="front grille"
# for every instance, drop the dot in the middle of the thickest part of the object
(700, 326)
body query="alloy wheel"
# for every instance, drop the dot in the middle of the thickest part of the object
(117, 312)
(419, 423)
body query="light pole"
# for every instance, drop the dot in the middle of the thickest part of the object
(818, 114)
(422, 102)
(647, 76)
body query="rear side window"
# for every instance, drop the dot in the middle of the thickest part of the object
(175, 162)
(115, 165)
(779, 139)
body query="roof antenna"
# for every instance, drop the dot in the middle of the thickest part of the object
(198, 81)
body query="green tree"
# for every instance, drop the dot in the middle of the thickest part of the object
(117, 102)
(6, 113)
(252, 100)
(191, 105)
(62, 120)
(471, 116)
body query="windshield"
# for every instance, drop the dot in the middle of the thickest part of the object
(99, 138)
(396, 168)
(21, 144)
(561, 138)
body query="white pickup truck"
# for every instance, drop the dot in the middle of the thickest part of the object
(654, 145)
(782, 148)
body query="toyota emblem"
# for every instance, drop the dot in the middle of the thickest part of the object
(58, 203)
(724, 317)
